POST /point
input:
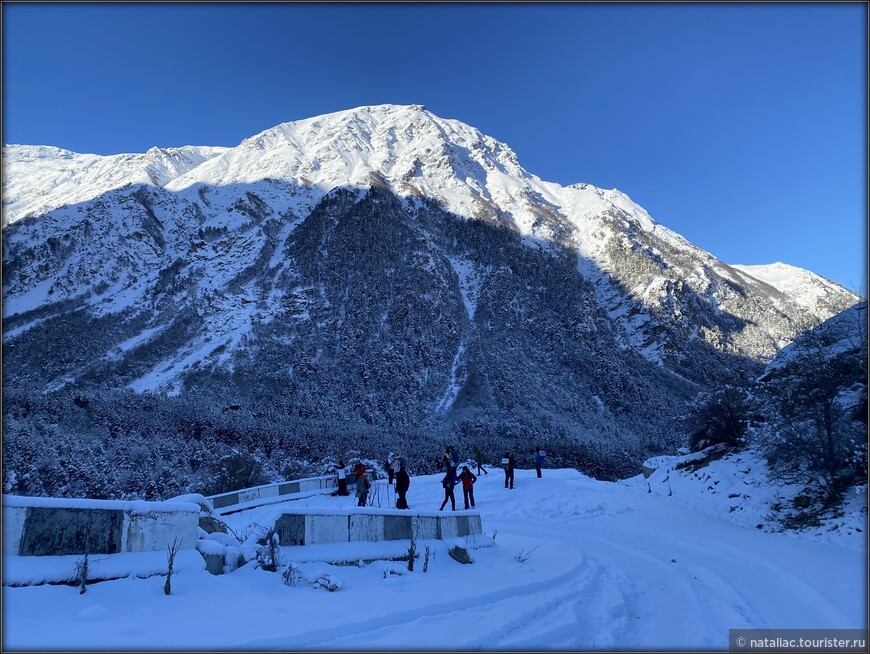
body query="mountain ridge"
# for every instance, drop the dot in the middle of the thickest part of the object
(809, 289)
(205, 165)
(223, 267)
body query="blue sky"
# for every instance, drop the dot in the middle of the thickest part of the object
(740, 126)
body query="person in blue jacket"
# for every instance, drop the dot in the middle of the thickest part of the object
(451, 459)
(539, 459)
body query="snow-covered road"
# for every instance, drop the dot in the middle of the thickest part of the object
(658, 574)
(613, 567)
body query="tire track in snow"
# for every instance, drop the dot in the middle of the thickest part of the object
(701, 604)
(401, 622)
(539, 623)
(588, 613)
(718, 581)
(662, 597)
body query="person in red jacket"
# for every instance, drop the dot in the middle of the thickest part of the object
(467, 478)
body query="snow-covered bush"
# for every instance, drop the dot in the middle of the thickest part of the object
(269, 554)
(815, 400)
(718, 416)
(412, 553)
(292, 576)
(327, 582)
(82, 574)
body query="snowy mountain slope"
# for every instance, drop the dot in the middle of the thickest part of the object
(738, 487)
(381, 244)
(611, 568)
(819, 295)
(37, 179)
(418, 154)
(841, 336)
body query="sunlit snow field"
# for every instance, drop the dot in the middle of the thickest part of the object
(612, 566)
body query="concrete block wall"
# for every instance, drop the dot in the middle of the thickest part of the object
(366, 527)
(427, 527)
(327, 529)
(41, 526)
(316, 527)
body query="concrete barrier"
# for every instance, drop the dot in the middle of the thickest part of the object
(462, 525)
(47, 526)
(268, 492)
(320, 526)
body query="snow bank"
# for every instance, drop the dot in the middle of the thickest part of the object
(737, 486)
(35, 570)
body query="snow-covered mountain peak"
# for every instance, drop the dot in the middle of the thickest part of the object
(408, 146)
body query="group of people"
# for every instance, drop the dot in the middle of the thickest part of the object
(395, 467)
(451, 479)
(361, 481)
(395, 470)
(509, 463)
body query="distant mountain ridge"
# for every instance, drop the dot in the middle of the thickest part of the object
(380, 264)
(38, 178)
(821, 296)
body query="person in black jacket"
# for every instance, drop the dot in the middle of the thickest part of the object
(403, 482)
(509, 464)
(448, 483)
